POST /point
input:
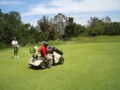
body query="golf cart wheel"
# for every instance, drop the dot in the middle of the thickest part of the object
(43, 65)
(61, 60)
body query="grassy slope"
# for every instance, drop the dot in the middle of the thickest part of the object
(88, 66)
(99, 39)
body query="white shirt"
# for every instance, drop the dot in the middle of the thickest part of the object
(14, 43)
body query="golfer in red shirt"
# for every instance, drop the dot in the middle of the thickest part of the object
(43, 50)
(44, 54)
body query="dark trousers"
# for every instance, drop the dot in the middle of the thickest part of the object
(15, 51)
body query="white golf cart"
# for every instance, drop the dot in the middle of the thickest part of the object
(54, 55)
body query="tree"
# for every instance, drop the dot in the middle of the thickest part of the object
(52, 32)
(112, 28)
(8, 22)
(107, 19)
(79, 29)
(96, 27)
(71, 20)
(44, 26)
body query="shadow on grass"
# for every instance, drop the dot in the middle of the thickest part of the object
(37, 68)
(12, 58)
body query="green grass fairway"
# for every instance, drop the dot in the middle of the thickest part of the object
(88, 66)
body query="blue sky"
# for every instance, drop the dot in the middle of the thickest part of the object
(32, 10)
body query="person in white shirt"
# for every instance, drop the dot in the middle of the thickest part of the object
(15, 47)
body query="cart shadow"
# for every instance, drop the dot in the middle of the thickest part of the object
(34, 68)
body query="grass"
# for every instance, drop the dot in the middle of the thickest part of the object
(88, 66)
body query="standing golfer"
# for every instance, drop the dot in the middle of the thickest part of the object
(15, 47)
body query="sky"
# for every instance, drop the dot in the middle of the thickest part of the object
(33, 10)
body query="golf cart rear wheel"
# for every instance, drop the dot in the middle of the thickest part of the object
(61, 60)
(42, 65)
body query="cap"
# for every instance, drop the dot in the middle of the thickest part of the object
(46, 43)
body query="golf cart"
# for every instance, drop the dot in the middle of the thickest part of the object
(54, 55)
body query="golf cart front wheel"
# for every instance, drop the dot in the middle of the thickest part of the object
(61, 60)
(43, 65)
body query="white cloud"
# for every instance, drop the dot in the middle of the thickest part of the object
(73, 6)
(10, 2)
(81, 10)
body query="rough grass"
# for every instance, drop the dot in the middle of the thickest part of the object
(88, 66)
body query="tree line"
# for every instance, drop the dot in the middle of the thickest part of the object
(12, 26)
(102, 26)
(60, 30)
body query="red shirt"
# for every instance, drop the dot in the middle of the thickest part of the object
(43, 50)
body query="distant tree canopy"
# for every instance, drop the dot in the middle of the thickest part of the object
(73, 30)
(60, 27)
(11, 26)
(47, 29)
(103, 26)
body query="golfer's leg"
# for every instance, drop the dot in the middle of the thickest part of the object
(17, 53)
(50, 63)
(14, 54)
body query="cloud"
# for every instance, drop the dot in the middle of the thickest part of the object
(10, 2)
(81, 10)
(73, 6)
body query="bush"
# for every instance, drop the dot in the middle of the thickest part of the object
(2, 45)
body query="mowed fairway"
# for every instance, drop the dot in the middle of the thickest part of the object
(88, 66)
